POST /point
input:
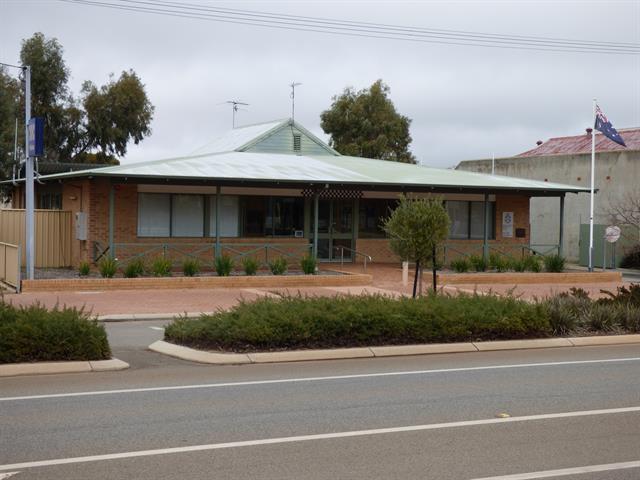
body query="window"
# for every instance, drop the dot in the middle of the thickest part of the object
(50, 201)
(272, 216)
(154, 215)
(467, 219)
(229, 213)
(187, 215)
(183, 215)
(372, 212)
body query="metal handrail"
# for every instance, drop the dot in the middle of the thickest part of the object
(356, 252)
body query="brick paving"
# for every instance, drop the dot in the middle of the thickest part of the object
(387, 279)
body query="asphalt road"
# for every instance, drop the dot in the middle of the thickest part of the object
(429, 417)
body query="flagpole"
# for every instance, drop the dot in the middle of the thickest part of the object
(593, 168)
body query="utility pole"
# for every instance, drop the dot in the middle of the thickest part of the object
(293, 86)
(29, 191)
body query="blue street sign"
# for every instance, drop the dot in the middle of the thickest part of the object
(36, 137)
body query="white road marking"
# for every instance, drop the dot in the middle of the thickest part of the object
(563, 472)
(157, 328)
(7, 475)
(320, 436)
(316, 379)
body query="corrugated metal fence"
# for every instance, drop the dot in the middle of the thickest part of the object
(53, 235)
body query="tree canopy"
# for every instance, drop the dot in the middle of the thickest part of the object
(416, 228)
(96, 127)
(366, 124)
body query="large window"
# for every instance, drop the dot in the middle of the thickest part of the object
(183, 215)
(154, 215)
(272, 216)
(467, 219)
(229, 213)
(372, 212)
(187, 216)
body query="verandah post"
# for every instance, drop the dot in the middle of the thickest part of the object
(485, 230)
(315, 224)
(218, 252)
(112, 217)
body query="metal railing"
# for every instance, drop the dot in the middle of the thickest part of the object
(355, 252)
(10, 265)
(504, 249)
(204, 252)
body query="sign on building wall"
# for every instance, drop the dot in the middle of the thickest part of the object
(507, 224)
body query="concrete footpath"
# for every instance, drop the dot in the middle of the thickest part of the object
(222, 358)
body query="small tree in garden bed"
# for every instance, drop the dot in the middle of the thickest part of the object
(416, 228)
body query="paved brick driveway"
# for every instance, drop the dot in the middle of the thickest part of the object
(387, 279)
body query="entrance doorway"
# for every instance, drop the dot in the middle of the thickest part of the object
(335, 229)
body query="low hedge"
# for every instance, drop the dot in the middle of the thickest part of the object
(347, 321)
(37, 334)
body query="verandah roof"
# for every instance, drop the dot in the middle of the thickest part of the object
(263, 168)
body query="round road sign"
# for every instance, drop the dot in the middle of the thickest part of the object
(612, 234)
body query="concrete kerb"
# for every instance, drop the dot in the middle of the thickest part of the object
(49, 368)
(141, 317)
(219, 358)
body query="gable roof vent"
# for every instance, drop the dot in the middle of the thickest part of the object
(297, 142)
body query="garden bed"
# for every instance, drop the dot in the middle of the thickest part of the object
(36, 334)
(297, 322)
(522, 278)
(323, 279)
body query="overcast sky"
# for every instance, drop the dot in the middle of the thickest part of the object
(466, 102)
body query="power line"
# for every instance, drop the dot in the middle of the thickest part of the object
(289, 23)
(399, 28)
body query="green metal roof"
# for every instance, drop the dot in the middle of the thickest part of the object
(249, 167)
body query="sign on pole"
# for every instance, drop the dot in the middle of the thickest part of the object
(36, 137)
(612, 234)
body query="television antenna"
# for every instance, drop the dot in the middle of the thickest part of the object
(293, 86)
(234, 108)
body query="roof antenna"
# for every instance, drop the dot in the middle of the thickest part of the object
(293, 86)
(234, 109)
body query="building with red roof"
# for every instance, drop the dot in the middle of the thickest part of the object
(568, 160)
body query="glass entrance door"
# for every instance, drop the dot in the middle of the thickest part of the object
(335, 229)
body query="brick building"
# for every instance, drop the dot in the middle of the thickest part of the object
(568, 160)
(275, 188)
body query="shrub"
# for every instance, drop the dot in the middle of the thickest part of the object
(624, 295)
(108, 267)
(278, 266)
(343, 321)
(135, 268)
(161, 267)
(250, 265)
(190, 267)
(498, 262)
(460, 265)
(84, 269)
(517, 264)
(34, 333)
(224, 265)
(308, 264)
(532, 263)
(554, 263)
(478, 263)
(631, 259)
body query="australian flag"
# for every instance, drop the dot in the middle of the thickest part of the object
(604, 125)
